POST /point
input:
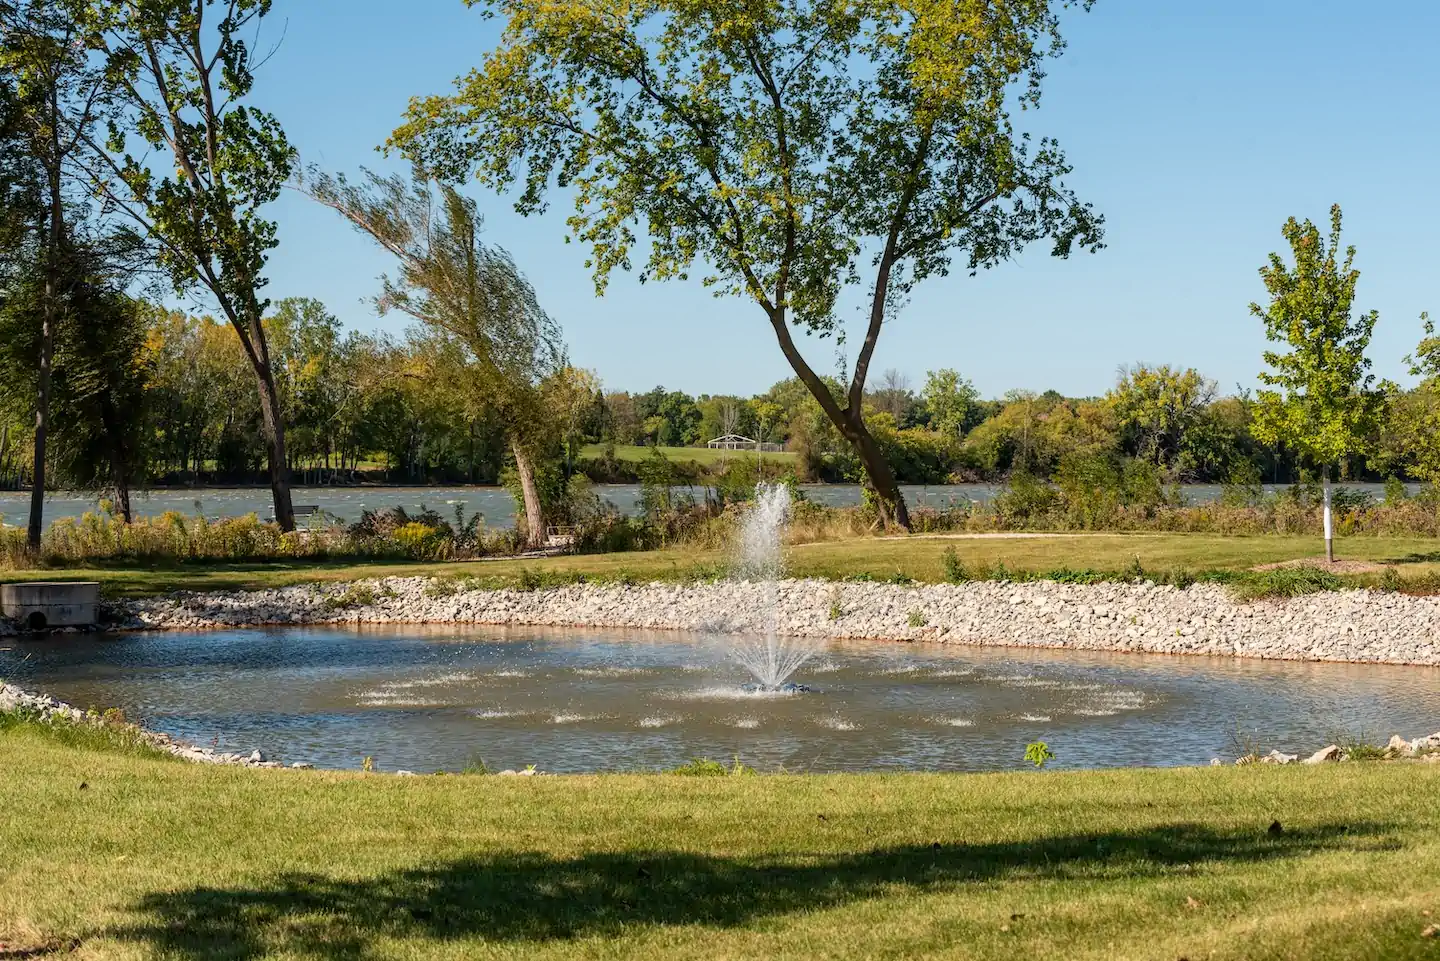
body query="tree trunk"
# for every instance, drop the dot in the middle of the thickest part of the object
(42, 419)
(850, 421)
(893, 512)
(119, 462)
(49, 321)
(1329, 521)
(534, 513)
(275, 445)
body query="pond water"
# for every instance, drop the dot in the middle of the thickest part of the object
(426, 699)
(495, 504)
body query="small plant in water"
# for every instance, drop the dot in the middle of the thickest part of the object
(476, 765)
(1038, 753)
(368, 764)
(529, 769)
(916, 619)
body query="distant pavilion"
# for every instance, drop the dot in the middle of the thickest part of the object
(736, 442)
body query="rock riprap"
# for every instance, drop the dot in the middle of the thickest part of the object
(1355, 625)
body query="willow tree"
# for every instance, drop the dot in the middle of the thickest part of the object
(192, 163)
(466, 291)
(1326, 406)
(778, 147)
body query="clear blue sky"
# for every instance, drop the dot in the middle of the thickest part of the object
(1196, 128)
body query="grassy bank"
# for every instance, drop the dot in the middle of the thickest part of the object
(108, 855)
(917, 558)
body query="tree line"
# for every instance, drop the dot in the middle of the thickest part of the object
(782, 153)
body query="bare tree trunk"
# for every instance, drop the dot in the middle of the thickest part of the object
(275, 447)
(42, 419)
(119, 462)
(534, 512)
(49, 321)
(850, 421)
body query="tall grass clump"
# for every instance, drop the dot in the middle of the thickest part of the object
(1284, 582)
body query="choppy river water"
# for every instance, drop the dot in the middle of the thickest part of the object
(494, 503)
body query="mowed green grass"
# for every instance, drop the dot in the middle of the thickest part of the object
(703, 456)
(917, 557)
(111, 855)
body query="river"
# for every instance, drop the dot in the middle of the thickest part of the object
(494, 503)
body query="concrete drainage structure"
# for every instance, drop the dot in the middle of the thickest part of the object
(42, 605)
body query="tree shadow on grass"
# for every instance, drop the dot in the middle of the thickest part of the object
(535, 898)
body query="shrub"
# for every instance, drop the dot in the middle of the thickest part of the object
(1026, 501)
(955, 571)
(704, 767)
(1038, 753)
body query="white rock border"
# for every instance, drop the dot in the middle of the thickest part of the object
(1353, 626)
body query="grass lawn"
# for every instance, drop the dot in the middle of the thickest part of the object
(916, 557)
(703, 456)
(112, 855)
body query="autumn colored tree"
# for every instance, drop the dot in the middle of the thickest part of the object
(1323, 403)
(778, 148)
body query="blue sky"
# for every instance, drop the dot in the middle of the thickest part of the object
(1196, 128)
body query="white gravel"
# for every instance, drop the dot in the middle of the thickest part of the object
(1357, 626)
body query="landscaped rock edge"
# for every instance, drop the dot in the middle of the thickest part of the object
(47, 708)
(1359, 626)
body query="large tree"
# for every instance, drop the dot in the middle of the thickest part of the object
(182, 72)
(779, 144)
(468, 292)
(1323, 404)
(58, 95)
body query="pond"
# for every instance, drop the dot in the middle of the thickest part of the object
(426, 699)
(495, 504)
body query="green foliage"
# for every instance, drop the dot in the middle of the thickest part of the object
(1325, 405)
(1038, 753)
(1284, 582)
(951, 402)
(705, 767)
(955, 572)
(1157, 408)
(356, 595)
(1026, 500)
(916, 619)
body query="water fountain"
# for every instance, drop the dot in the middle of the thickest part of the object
(770, 658)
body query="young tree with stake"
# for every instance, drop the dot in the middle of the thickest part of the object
(1326, 405)
(780, 145)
